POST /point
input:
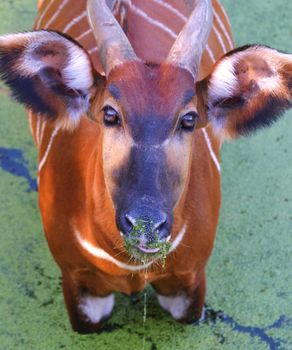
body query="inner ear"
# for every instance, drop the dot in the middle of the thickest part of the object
(52, 78)
(54, 55)
(233, 102)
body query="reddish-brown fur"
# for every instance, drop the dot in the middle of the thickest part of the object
(81, 171)
(74, 187)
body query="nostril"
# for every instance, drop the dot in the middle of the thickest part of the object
(159, 224)
(145, 223)
(131, 221)
(126, 224)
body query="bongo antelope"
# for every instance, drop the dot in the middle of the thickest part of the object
(129, 102)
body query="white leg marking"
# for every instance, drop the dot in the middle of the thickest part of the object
(96, 308)
(38, 23)
(43, 161)
(212, 153)
(74, 21)
(203, 315)
(56, 14)
(176, 306)
(230, 43)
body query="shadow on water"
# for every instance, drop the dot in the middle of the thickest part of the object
(13, 162)
(214, 316)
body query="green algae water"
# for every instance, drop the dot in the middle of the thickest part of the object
(249, 274)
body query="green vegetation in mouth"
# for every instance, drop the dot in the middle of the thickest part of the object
(133, 240)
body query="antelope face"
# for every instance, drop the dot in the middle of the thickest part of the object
(149, 116)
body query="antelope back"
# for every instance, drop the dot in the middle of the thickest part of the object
(151, 26)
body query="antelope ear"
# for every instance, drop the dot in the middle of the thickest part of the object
(48, 73)
(249, 88)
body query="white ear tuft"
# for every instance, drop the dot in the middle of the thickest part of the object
(223, 82)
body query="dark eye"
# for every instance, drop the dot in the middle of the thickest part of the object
(188, 121)
(111, 116)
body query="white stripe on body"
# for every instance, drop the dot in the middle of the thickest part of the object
(220, 40)
(42, 132)
(30, 123)
(172, 9)
(38, 23)
(56, 14)
(224, 13)
(37, 133)
(45, 156)
(210, 53)
(74, 21)
(164, 27)
(83, 35)
(149, 19)
(92, 50)
(212, 153)
(230, 43)
(102, 254)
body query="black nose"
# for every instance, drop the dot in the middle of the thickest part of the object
(146, 223)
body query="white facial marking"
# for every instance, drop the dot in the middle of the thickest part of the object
(96, 308)
(176, 305)
(178, 238)
(102, 254)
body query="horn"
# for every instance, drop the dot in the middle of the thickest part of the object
(190, 44)
(113, 45)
